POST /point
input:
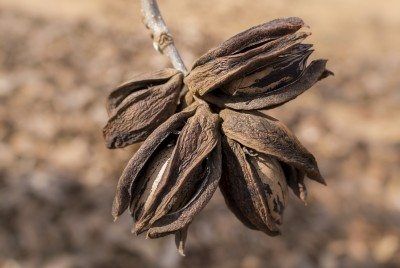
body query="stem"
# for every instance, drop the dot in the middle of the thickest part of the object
(162, 39)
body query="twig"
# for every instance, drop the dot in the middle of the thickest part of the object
(162, 39)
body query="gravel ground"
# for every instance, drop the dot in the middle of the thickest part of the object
(58, 59)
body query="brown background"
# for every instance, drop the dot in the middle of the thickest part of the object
(59, 58)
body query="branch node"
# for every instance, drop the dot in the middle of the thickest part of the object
(162, 39)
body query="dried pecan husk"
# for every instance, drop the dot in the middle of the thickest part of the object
(277, 72)
(129, 178)
(254, 187)
(312, 74)
(260, 68)
(265, 134)
(189, 163)
(137, 107)
(129, 184)
(202, 191)
(252, 37)
(173, 175)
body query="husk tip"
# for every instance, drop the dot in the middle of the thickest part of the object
(181, 251)
(139, 228)
(114, 213)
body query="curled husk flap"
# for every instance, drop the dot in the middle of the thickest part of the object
(254, 187)
(267, 135)
(173, 175)
(262, 67)
(137, 107)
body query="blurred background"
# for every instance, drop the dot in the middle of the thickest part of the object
(58, 60)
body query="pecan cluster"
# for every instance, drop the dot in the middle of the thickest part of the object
(216, 135)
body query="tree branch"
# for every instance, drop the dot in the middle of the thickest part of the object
(162, 39)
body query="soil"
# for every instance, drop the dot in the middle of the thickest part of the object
(58, 60)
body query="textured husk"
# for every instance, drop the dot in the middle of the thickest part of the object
(251, 37)
(276, 73)
(260, 68)
(272, 179)
(244, 183)
(221, 71)
(179, 220)
(129, 185)
(271, 99)
(267, 135)
(186, 170)
(139, 106)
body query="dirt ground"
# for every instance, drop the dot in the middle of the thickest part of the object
(58, 59)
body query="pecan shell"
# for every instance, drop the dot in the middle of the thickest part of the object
(254, 187)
